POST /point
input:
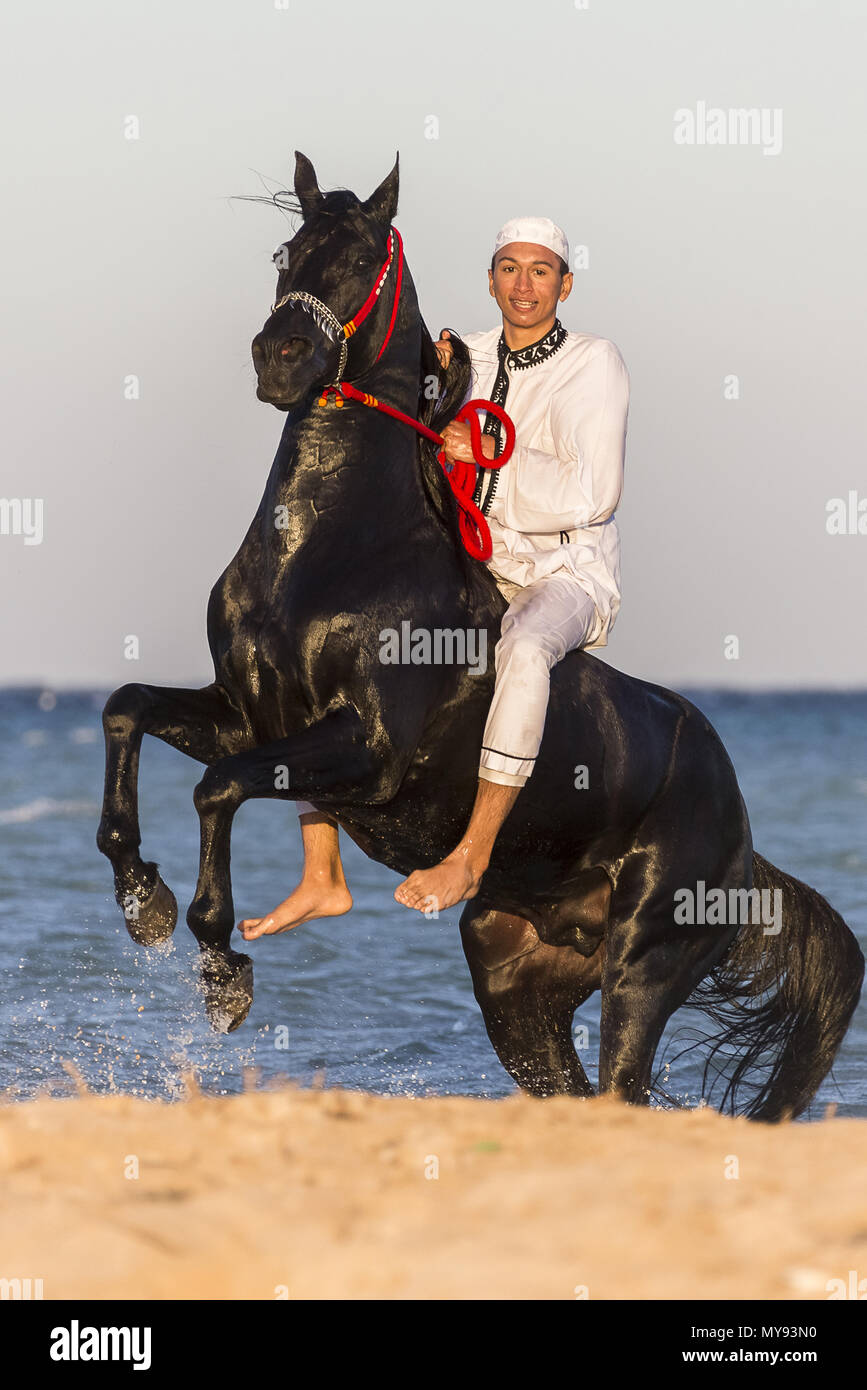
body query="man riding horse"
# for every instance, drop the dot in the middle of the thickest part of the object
(359, 528)
(555, 558)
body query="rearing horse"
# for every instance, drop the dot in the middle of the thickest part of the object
(357, 531)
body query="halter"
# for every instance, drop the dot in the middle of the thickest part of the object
(330, 324)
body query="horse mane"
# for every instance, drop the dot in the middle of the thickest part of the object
(436, 412)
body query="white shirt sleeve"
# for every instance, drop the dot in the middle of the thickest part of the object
(580, 484)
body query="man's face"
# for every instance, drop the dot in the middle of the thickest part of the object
(527, 284)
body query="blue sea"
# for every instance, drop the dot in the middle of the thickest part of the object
(379, 999)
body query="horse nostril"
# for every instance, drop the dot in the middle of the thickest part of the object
(296, 347)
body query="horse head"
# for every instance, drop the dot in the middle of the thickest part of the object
(325, 273)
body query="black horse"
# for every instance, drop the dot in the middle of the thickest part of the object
(357, 531)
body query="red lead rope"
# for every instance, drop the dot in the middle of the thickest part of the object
(462, 475)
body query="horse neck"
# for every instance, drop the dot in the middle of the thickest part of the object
(394, 379)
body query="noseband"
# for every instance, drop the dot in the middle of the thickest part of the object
(330, 324)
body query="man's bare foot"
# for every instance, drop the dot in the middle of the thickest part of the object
(433, 890)
(310, 900)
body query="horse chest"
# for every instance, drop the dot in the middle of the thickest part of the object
(257, 628)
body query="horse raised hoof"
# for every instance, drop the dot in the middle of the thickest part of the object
(227, 979)
(151, 920)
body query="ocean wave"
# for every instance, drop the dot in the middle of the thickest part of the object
(45, 806)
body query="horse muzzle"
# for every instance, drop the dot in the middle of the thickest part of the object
(285, 367)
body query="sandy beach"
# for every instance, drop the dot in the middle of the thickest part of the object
(337, 1194)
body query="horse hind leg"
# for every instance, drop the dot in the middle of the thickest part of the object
(528, 992)
(653, 960)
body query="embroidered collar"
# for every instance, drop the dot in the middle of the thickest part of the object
(518, 359)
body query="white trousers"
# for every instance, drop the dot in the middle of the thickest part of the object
(544, 621)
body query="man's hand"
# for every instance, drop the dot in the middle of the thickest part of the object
(444, 348)
(457, 443)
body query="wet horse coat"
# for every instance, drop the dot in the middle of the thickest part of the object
(356, 533)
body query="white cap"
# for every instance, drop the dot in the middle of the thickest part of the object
(541, 231)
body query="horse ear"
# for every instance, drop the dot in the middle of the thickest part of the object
(306, 187)
(382, 204)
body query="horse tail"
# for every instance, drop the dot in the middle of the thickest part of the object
(783, 1001)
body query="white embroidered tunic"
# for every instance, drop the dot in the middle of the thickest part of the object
(551, 507)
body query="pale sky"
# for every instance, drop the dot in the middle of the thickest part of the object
(706, 262)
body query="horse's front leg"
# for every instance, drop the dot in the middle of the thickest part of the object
(202, 724)
(330, 761)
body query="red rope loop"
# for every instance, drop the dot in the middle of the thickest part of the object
(462, 476)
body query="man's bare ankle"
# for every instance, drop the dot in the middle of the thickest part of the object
(474, 856)
(322, 881)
